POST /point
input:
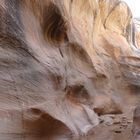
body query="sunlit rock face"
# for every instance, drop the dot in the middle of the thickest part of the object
(63, 64)
(137, 24)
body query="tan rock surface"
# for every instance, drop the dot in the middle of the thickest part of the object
(136, 124)
(62, 65)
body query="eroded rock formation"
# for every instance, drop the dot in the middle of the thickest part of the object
(63, 64)
(136, 124)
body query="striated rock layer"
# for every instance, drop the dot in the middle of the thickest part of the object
(63, 64)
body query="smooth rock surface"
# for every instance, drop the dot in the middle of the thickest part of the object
(65, 63)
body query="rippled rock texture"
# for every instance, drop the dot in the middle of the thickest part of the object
(63, 64)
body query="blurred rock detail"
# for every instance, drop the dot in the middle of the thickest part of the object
(136, 124)
(64, 65)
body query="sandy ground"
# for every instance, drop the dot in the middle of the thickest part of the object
(111, 128)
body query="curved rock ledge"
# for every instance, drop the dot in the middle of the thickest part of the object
(64, 64)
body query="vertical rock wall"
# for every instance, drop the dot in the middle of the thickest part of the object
(63, 64)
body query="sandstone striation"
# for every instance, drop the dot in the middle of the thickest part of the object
(63, 65)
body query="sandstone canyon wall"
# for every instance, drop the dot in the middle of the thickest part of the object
(64, 64)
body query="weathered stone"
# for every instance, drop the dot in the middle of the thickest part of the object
(64, 63)
(136, 124)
